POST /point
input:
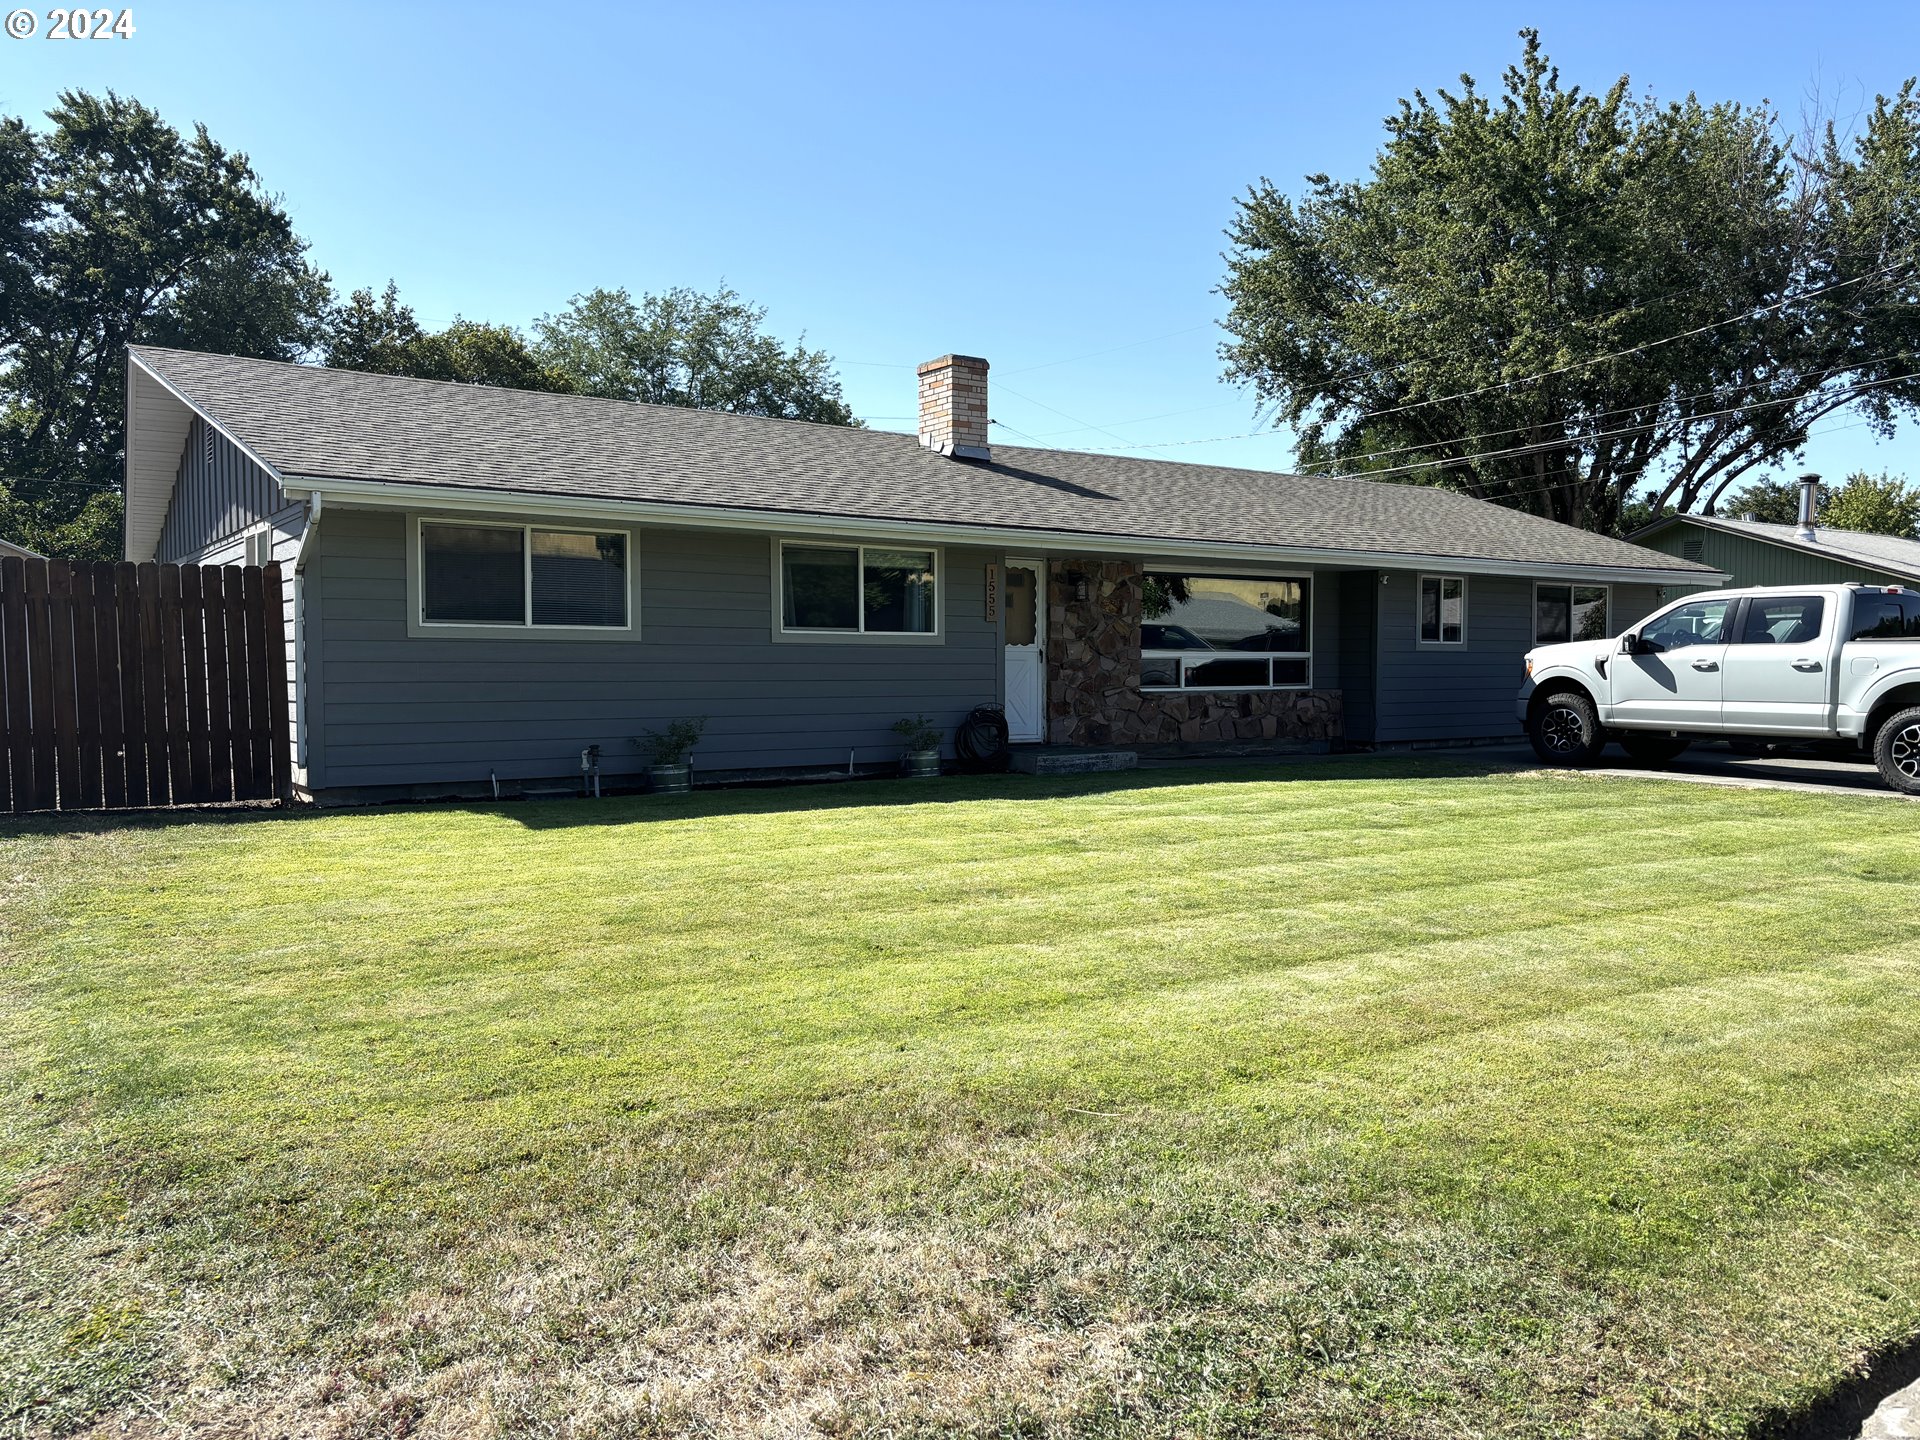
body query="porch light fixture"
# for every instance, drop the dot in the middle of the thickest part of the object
(1078, 582)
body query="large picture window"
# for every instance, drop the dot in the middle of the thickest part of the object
(1569, 612)
(858, 590)
(1224, 632)
(522, 576)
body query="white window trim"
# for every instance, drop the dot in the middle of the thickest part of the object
(863, 636)
(1569, 586)
(1204, 656)
(1466, 611)
(419, 625)
(1307, 579)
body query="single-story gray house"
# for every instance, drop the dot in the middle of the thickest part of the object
(20, 552)
(486, 582)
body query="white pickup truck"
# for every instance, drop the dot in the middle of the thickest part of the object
(1837, 663)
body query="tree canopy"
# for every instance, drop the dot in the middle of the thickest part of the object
(1592, 306)
(682, 347)
(1881, 504)
(116, 228)
(382, 335)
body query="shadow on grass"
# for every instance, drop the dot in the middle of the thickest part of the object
(773, 798)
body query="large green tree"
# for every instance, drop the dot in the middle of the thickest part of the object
(116, 228)
(382, 335)
(683, 347)
(1590, 306)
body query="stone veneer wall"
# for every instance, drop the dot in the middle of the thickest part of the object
(1093, 677)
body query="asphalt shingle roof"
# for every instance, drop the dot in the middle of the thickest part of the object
(316, 423)
(1854, 547)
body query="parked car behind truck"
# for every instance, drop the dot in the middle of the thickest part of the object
(1837, 663)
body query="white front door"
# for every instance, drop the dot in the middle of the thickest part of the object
(1026, 651)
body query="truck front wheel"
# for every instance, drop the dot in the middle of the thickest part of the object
(1565, 730)
(1896, 751)
(1653, 747)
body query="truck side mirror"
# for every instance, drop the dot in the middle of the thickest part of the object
(1629, 644)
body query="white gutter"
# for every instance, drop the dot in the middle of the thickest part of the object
(316, 502)
(385, 494)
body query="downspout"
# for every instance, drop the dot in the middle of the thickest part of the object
(316, 502)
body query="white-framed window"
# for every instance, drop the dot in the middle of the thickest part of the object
(259, 548)
(1570, 612)
(496, 575)
(1225, 632)
(1442, 619)
(822, 589)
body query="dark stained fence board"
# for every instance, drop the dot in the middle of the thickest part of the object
(193, 645)
(106, 663)
(40, 687)
(279, 711)
(174, 670)
(153, 684)
(219, 714)
(66, 718)
(13, 654)
(240, 722)
(133, 706)
(259, 691)
(86, 688)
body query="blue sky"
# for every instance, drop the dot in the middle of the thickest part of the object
(1042, 185)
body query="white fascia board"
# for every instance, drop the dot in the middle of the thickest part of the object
(400, 496)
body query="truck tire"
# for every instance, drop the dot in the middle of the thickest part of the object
(1565, 730)
(1896, 751)
(1654, 747)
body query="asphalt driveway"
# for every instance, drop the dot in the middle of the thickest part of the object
(1715, 764)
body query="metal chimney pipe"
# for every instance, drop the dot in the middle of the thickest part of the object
(1809, 505)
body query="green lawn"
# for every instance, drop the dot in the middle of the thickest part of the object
(1385, 1099)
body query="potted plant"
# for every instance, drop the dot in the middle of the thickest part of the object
(922, 737)
(668, 751)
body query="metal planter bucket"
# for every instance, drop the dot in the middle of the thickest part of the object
(670, 779)
(923, 766)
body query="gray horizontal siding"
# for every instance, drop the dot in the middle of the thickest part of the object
(1467, 692)
(394, 709)
(217, 493)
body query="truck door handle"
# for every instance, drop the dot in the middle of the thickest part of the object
(1706, 664)
(1806, 664)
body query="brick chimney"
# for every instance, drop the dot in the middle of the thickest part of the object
(953, 407)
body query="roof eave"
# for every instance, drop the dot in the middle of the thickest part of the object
(387, 494)
(1785, 542)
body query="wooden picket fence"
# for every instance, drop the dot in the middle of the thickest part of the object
(128, 686)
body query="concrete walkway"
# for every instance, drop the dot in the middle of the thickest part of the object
(1898, 1417)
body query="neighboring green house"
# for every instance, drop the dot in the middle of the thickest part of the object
(1757, 553)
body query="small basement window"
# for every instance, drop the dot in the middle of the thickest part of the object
(1224, 632)
(523, 576)
(1443, 610)
(859, 590)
